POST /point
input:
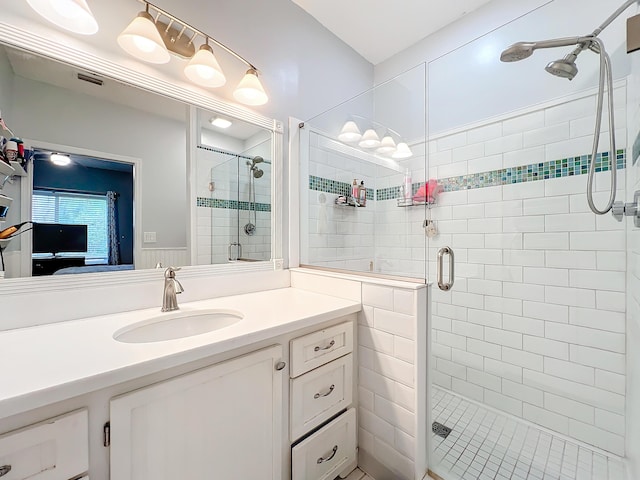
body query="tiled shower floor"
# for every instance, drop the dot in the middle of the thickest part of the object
(484, 445)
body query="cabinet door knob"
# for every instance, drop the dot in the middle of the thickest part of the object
(325, 394)
(331, 344)
(4, 469)
(329, 456)
(280, 365)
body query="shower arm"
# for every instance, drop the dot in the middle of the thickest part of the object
(613, 16)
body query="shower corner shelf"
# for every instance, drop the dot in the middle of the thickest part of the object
(350, 204)
(409, 202)
(18, 169)
(6, 170)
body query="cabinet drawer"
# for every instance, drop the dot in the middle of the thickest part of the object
(329, 452)
(51, 450)
(319, 394)
(317, 348)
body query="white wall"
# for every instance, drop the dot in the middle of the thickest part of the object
(292, 50)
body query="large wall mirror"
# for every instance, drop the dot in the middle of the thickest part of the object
(156, 181)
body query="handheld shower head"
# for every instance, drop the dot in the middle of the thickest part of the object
(257, 173)
(518, 51)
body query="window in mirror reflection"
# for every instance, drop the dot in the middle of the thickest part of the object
(233, 192)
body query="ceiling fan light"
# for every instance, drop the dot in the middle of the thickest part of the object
(370, 139)
(142, 40)
(350, 132)
(60, 160)
(72, 15)
(403, 151)
(387, 145)
(250, 91)
(203, 69)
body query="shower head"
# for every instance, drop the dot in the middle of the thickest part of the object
(257, 159)
(257, 173)
(521, 50)
(518, 51)
(564, 68)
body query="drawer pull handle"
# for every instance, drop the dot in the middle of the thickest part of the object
(325, 394)
(4, 469)
(331, 344)
(330, 456)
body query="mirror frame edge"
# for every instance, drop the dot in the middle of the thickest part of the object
(27, 40)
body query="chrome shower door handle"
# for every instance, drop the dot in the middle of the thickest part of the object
(441, 253)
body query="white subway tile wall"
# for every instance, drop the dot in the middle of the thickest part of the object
(386, 345)
(535, 324)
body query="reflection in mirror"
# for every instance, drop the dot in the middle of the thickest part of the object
(105, 127)
(234, 191)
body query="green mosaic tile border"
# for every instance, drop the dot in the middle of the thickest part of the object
(232, 204)
(337, 188)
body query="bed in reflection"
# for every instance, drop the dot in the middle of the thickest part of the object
(92, 269)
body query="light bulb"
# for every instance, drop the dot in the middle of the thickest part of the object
(203, 69)
(142, 40)
(249, 91)
(350, 132)
(72, 15)
(369, 139)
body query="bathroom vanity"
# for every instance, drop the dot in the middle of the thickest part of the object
(263, 397)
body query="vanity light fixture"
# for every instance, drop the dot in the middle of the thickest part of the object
(152, 39)
(387, 145)
(60, 160)
(142, 39)
(203, 69)
(402, 151)
(350, 132)
(220, 122)
(72, 15)
(370, 139)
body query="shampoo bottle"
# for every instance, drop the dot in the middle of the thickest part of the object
(354, 189)
(362, 194)
(407, 185)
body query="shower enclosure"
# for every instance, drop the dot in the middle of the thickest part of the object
(234, 211)
(530, 372)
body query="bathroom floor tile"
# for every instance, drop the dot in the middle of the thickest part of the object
(486, 445)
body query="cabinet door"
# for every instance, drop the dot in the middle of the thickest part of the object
(224, 421)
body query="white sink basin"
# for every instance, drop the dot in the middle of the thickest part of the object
(179, 324)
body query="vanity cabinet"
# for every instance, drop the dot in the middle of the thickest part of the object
(55, 449)
(223, 421)
(322, 426)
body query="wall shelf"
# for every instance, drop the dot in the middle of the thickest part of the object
(409, 202)
(19, 171)
(7, 170)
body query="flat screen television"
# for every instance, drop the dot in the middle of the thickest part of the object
(56, 238)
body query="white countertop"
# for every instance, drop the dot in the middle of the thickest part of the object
(50, 363)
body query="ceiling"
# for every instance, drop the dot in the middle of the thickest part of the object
(378, 29)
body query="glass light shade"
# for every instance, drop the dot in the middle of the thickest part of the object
(350, 132)
(60, 160)
(402, 151)
(72, 15)
(370, 139)
(142, 40)
(249, 91)
(387, 145)
(203, 69)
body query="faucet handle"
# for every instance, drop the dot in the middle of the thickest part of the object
(170, 272)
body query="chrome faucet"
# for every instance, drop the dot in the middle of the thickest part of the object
(171, 288)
